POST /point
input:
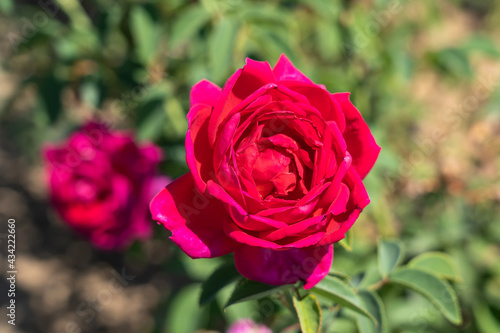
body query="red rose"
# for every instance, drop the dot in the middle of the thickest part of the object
(101, 184)
(276, 166)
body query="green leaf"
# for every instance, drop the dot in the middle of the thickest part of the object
(199, 269)
(326, 9)
(50, 90)
(485, 320)
(389, 255)
(340, 325)
(66, 48)
(341, 275)
(437, 263)
(235, 311)
(436, 290)
(221, 48)
(376, 307)
(272, 43)
(188, 24)
(347, 242)
(371, 276)
(452, 61)
(328, 39)
(222, 276)
(144, 33)
(184, 305)
(482, 44)
(90, 94)
(309, 313)
(247, 290)
(336, 290)
(176, 124)
(265, 16)
(6, 6)
(151, 127)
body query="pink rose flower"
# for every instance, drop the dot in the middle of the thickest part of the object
(248, 326)
(276, 167)
(101, 183)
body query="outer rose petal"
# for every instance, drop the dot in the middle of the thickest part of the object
(284, 267)
(285, 70)
(204, 92)
(358, 199)
(194, 220)
(199, 153)
(360, 142)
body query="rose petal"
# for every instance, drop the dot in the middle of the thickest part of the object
(293, 229)
(254, 222)
(358, 199)
(194, 219)
(309, 265)
(250, 237)
(224, 141)
(331, 154)
(243, 237)
(360, 142)
(339, 204)
(220, 193)
(226, 102)
(321, 99)
(199, 153)
(242, 84)
(285, 70)
(254, 75)
(336, 231)
(300, 210)
(204, 92)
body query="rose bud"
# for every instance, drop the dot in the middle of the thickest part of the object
(276, 167)
(101, 183)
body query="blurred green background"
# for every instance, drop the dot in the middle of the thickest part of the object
(424, 74)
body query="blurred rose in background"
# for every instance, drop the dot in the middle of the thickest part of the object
(101, 183)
